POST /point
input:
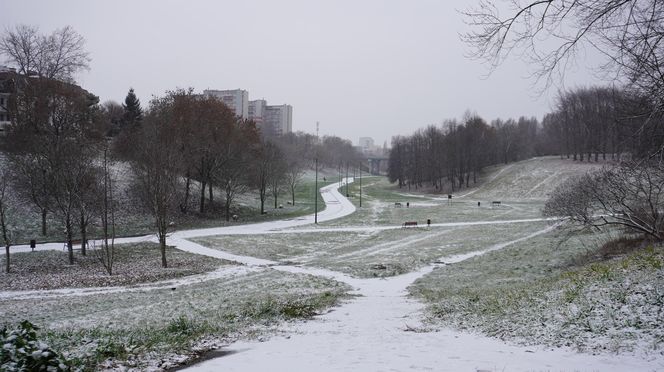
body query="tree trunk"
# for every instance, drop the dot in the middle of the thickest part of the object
(293, 194)
(83, 234)
(70, 247)
(262, 197)
(202, 209)
(162, 246)
(210, 192)
(43, 216)
(185, 204)
(7, 259)
(228, 209)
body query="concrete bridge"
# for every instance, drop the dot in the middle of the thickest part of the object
(377, 165)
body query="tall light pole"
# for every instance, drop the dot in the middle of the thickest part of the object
(346, 179)
(316, 196)
(360, 184)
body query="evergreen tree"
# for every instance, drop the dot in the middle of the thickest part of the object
(133, 114)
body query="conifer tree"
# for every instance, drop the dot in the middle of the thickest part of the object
(133, 114)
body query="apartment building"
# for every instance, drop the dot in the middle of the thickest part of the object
(236, 99)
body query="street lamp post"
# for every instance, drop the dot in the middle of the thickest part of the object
(360, 184)
(347, 179)
(316, 195)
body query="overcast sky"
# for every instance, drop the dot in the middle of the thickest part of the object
(360, 68)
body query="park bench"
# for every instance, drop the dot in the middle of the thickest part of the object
(495, 204)
(397, 205)
(410, 223)
(76, 244)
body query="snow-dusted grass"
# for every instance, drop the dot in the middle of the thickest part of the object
(134, 263)
(532, 179)
(531, 293)
(379, 209)
(25, 220)
(133, 325)
(378, 253)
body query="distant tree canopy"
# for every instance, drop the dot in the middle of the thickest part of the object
(548, 34)
(586, 124)
(601, 122)
(451, 156)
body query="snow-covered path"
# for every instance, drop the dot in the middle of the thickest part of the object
(336, 206)
(381, 331)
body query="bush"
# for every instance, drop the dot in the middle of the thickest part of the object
(22, 351)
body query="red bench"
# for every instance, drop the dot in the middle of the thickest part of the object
(410, 223)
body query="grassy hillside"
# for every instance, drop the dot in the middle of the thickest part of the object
(563, 288)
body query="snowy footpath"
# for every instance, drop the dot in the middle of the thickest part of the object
(380, 329)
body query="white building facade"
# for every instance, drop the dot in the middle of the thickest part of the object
(257, 111)
(237, 100)
(278, 119)
(274, 120)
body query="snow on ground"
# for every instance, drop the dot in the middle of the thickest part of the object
(337, 206)
(221, 273)
(381, 331)
(382, 328)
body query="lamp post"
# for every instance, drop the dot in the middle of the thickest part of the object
(347, 179)
(316, 195)
(360, 184)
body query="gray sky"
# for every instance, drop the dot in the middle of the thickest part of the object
(360, 68)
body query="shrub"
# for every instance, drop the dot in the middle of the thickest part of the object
(22, 351)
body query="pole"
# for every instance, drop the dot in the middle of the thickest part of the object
(316, 196)
(360, 184)
(346, 179)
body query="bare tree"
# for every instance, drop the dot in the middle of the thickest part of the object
(32, 180)
(156, 167)
(276, 177)
(549, 33)
(265, 167)
(56, 56)
(40, 106)
(4, 215)
(630, 195)
(106, 253)
(236, 151)
(73, 177)
(295, 169)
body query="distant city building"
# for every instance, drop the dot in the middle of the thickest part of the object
(278, 119)
(366, 144)
(6, 74)
(272, 120)
(257, 111)
(11, 81)
(237, 100)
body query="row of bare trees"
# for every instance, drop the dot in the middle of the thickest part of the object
(451, 156)
(61, 145)
(602, 123)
